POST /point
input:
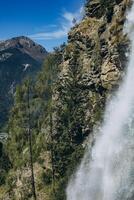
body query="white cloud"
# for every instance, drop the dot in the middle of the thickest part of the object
(57, 34)
(68, 16)
(66, 22)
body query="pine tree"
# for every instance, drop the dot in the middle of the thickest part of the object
(20, 135)
(30, 142)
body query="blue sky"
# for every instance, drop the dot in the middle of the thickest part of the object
(45, 21)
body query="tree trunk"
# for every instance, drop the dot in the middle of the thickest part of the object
(30, 148)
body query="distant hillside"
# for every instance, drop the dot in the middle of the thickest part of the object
(19, 57)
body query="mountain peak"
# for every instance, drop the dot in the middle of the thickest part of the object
(25, 45)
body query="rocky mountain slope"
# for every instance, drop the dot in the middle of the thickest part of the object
(94, 64)
(97, 60)
(68, 102)
(19, 57)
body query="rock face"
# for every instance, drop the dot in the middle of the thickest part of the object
(19, 57)
(94, 63)
(95, 58)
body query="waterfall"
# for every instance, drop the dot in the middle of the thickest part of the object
(107, 173)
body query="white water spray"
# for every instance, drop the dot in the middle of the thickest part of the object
(109, 174)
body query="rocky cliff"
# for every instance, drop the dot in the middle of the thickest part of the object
(94, 60)
(92, 65)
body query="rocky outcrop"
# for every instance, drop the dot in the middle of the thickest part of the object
(94, 62)
(95, 57)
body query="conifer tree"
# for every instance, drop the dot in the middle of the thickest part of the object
(30, 142)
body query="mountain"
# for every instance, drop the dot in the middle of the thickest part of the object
(24, 45)
(19, 57)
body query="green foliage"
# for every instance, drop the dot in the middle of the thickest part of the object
(40, 97)
(108, 8)
(57, 123)
(68, 127)
(18, 124)
(4, 164)
(59, 192)
(47, 177)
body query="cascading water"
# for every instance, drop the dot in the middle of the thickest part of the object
(108, 173)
